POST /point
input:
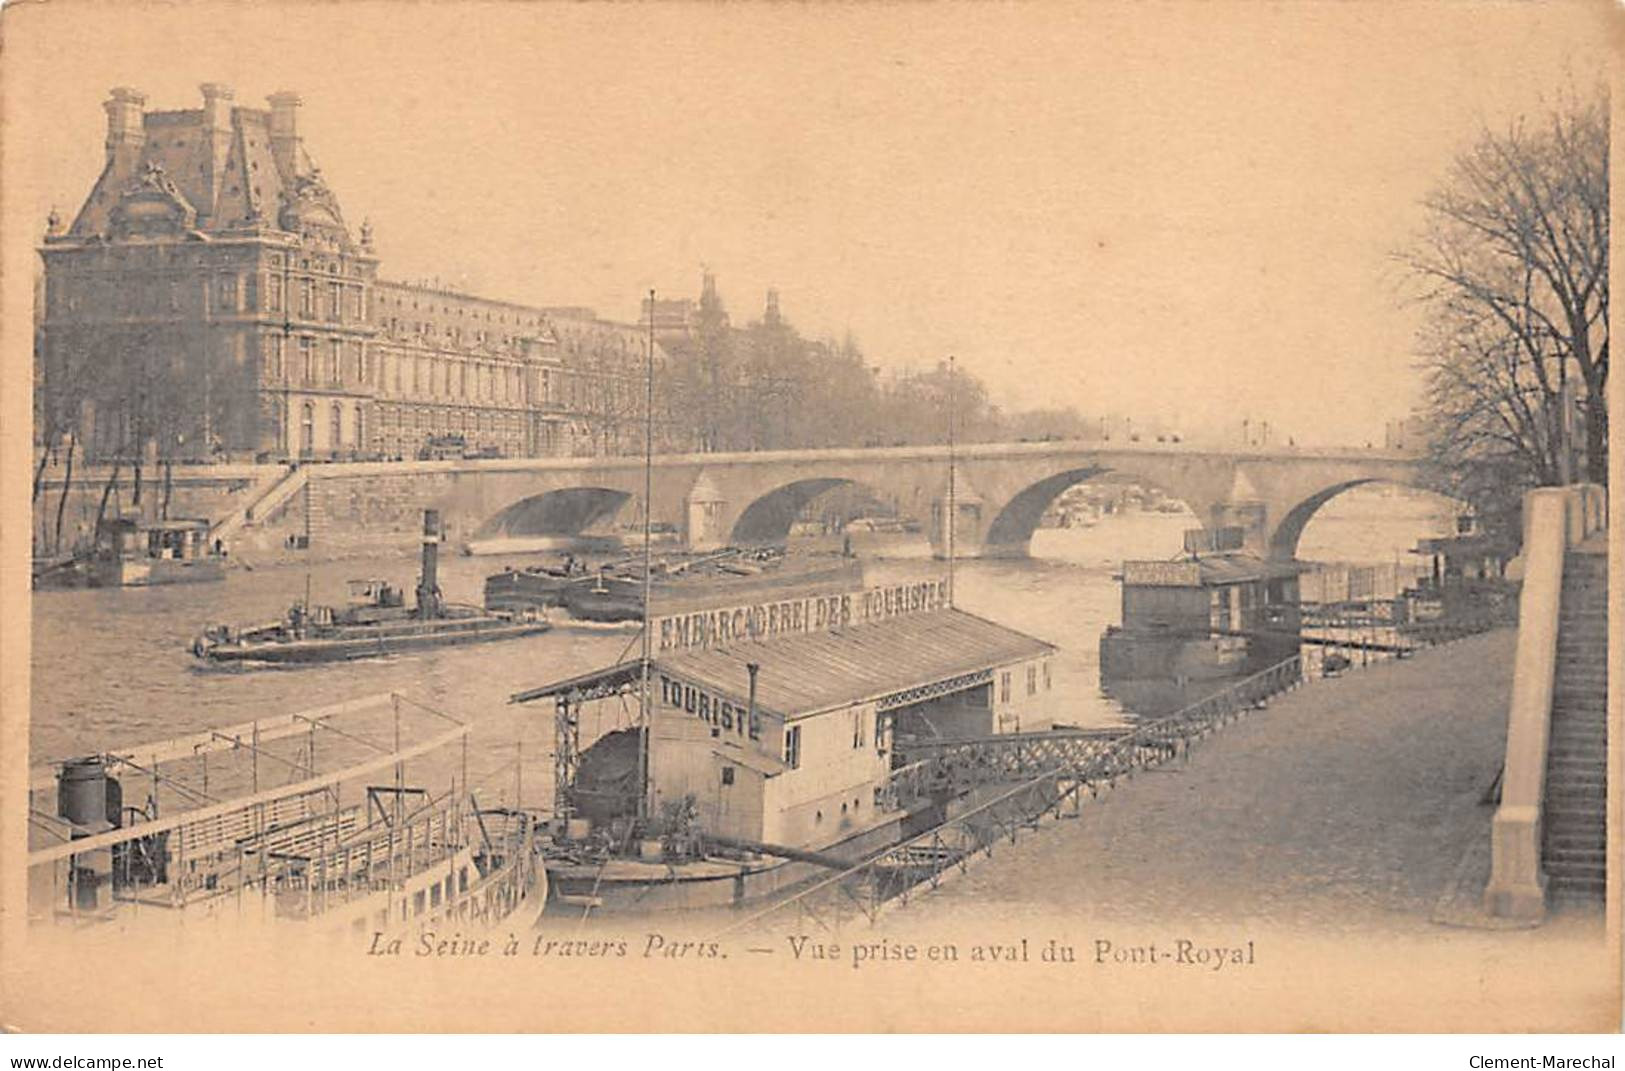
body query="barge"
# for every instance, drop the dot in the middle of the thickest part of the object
(616, 592)
(131, 552)
(1216, 612)
(213, 847)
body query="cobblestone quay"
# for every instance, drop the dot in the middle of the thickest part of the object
(1347, 805)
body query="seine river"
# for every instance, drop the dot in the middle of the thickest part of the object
(111, 667)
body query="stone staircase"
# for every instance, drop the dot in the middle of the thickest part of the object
(1574, 852)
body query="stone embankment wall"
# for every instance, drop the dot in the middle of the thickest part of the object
(210, 494)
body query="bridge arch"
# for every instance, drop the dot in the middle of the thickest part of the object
(767, 520)
(565, 511)
(1286, 532)
(1009, 534)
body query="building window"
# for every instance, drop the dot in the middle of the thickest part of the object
(1032, 680)
(273, 357)
(359, 356)
(857, 729)
(307, 360)
(307, 299)
(273, 294)
(792, 747)
(1004, 687)
(335, 299)
(307, 429)
(360, 430)
(1046, 675)
(336, 430)
(225, 293)
(727, 775)
(335, 358)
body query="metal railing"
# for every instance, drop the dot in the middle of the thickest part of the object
(924, 861)
(1079, 761)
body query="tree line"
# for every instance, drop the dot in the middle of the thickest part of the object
(765, 386)
(1512, 273)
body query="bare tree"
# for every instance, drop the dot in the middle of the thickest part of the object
(1514, 274)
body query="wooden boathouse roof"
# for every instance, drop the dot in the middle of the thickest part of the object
(891, 662)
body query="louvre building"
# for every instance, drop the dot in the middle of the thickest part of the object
(210, 299)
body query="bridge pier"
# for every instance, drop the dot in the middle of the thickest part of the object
(703, 516)
(970, 523)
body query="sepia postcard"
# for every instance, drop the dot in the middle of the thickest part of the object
(768, 517)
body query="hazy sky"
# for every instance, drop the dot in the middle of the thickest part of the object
(1161, 209)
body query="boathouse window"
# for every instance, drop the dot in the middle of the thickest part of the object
(1004, 687)
(792, 747)
(1032, 680)
(1046, 674)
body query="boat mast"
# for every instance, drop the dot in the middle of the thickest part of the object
(953, 518)
(648, 567)
(307, 543)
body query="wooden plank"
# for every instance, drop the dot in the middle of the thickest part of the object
(200, 814)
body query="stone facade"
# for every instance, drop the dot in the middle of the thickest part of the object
(210, 299)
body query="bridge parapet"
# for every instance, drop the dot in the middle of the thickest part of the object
(1001, 490)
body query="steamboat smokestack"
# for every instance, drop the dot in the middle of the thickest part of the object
(429, 581)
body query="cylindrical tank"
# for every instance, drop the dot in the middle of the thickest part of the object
(81, 791)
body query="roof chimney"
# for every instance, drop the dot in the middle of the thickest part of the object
(126, 127)
(216, 105)
(284, 118)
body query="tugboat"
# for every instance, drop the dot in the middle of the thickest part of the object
(376, 622)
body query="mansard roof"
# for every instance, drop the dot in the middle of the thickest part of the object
(227, 179)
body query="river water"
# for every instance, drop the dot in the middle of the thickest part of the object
(111, 667)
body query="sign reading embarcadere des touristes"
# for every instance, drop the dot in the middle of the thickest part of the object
(1162, 574)
(787, 617)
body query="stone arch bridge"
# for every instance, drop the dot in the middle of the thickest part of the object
(1001, 490)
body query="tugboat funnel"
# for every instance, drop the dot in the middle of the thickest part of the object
(429, 580)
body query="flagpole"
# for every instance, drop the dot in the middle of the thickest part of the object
(648, 565)
(953, 518)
